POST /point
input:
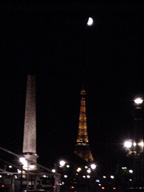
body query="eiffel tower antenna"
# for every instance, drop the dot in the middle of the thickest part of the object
(82, 148)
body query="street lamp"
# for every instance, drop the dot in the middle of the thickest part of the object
(22, 163)
(112, 176)
(128, 144)
(93, 166)
(62, 163)
(53, 170)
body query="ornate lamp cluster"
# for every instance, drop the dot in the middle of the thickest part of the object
(132, 146)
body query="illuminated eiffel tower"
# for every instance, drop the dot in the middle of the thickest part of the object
(82, 148)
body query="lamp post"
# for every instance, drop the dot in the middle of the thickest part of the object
(138, 137)
(21, 166)
(58, 165)
(93, 166)
(135, 146)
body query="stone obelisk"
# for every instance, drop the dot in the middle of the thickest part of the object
(29, 139)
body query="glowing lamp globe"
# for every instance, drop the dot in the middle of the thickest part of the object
(62, 163)
(93, 166)
(138, 100)
(53, 170)
(89, 171)
(128, 144)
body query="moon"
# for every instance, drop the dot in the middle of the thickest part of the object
(90, 21)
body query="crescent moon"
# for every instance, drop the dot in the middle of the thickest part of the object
(90, 21)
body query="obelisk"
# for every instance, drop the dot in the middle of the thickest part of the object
(29, 139)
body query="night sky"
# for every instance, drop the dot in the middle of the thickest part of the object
(53, 42)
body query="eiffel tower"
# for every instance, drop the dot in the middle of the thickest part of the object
(82, 148)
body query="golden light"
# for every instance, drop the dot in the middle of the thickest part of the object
(141, 144)
(78, 169)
